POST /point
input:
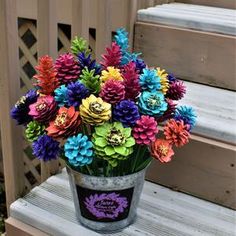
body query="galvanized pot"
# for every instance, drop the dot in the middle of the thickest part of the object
(106, 204)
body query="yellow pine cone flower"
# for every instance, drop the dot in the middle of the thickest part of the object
(164, 80)
(94, 111)
(111, 73)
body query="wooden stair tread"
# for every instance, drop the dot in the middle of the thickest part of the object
(216, 111)
(161, 211)
(198, 17)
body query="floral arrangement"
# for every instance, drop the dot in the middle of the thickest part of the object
(104, 119)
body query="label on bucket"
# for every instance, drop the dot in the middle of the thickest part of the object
(104, 206)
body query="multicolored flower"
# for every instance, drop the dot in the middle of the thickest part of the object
(95, 111)
(76, 92)
(161, 150)
(45, 148)
(126, 112)
(20, 112)
(152, 103)
(44, 109)
(113, 142)
(176, 132)
(34, 130)
(87, 62)
(78, 150)
(111, 73)
(169, 113)
(145, 130)
(66, 123)
(149, 80)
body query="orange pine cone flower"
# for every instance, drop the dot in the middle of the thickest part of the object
(176, 132)
(65, 124)
(46, 76)
(161, 150)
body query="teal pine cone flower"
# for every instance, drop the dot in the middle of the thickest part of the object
(152, 103)
(78, 150)
(34, 130)
(113, 142)
(61, 96)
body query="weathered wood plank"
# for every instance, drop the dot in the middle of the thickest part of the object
(210, 61)
(9, 94)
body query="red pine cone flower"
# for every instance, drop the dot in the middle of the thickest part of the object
(112, 56)
(46, 77)
(145, 130)
(65, 124)
(161, 150)
(131, 81)
(112, 91)
(176, 132)
(44, 109)
(169, 113)
(67, 68)
(176, 90)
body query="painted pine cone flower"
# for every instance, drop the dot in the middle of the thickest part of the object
(76, 92)
(145, 130)
(131, 81)
(169, 113)
(111, 73)
(45, 148)
(171, 78)
(164, 80)
(152, 103)
(126, 112)
(34, 130)
(140, 65)
(112, 91)
(95, 111)
(187, 114)
(112, 56)
(66, 123)
(78, 150)
(46, 76)
(176, 90)
(176, 132)
(67, 68)
(149, 80)
(21, 109)
(113, 142)
(161, 150)
(44, 109)
(79, 45)
(61, 96)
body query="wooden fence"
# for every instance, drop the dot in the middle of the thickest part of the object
(32, 28)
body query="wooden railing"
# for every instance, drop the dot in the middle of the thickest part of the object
(104, 16)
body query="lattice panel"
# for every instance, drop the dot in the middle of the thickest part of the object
(28, 60)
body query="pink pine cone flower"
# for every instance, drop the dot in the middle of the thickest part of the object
(112, 91)
(145, 130)
(44, 109)
(176, 90)
(67, 68)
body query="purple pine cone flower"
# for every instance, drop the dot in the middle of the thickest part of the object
(45, 148)
(21, 109)
(126, 112)
(75, 93)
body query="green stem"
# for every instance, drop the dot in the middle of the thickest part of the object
(138, 155)
(109, 167)
(89, 170)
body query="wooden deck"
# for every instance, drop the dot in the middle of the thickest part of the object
(161, 211)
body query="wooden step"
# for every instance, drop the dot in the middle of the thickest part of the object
(161, 212)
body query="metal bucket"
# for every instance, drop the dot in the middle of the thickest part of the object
(106, 204)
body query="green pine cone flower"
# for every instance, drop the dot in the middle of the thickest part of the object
(113, 142)
(79, 45)
(91, 81)
(34, 130)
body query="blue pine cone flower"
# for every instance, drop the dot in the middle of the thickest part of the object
(126, 112)
(21, 109)
(149, 80)
(121, 38)
(78, 150)
(45, 148)
(187, 114)
(140, 65)
(61, 96)
(171, 78)
(76, 91)
(152, 103)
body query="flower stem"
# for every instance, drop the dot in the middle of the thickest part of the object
(138, 155)
(109, 167)
(89, 170)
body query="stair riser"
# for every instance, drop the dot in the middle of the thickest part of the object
(202, 169)
(192, 55)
